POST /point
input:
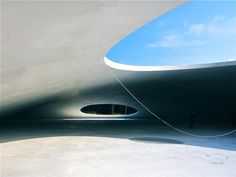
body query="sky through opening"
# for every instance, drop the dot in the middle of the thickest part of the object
(194, 33)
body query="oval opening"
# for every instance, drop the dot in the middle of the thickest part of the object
(108, 109)
(182, 38)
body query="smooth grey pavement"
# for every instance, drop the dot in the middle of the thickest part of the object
(112, 149)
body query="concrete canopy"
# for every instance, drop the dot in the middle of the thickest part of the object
(56, 50)
(49, 47)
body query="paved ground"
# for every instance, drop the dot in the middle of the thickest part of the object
(112, 149)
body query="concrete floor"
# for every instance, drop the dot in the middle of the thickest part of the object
(112, 149)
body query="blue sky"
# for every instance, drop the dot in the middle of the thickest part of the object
(196, 32)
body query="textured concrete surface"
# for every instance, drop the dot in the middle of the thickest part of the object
(114, 149)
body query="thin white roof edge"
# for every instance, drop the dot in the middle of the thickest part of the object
(126, 67)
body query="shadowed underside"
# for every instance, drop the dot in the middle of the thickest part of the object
(52, 65)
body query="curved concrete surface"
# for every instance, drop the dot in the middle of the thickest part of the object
(126, 67)
(97, 156)
(112, 149)
(52, 65)
(51, 47)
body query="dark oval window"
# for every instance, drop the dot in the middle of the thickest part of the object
(108, 109)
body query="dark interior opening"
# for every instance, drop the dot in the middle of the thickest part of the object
(108, 109)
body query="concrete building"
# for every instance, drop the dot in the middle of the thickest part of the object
(53, 65)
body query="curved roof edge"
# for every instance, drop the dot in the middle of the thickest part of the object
(126, 67)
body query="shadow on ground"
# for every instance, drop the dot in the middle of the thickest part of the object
(141, 131)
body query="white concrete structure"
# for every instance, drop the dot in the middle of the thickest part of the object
(52, 65)
(50, 47)
(52, 62)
